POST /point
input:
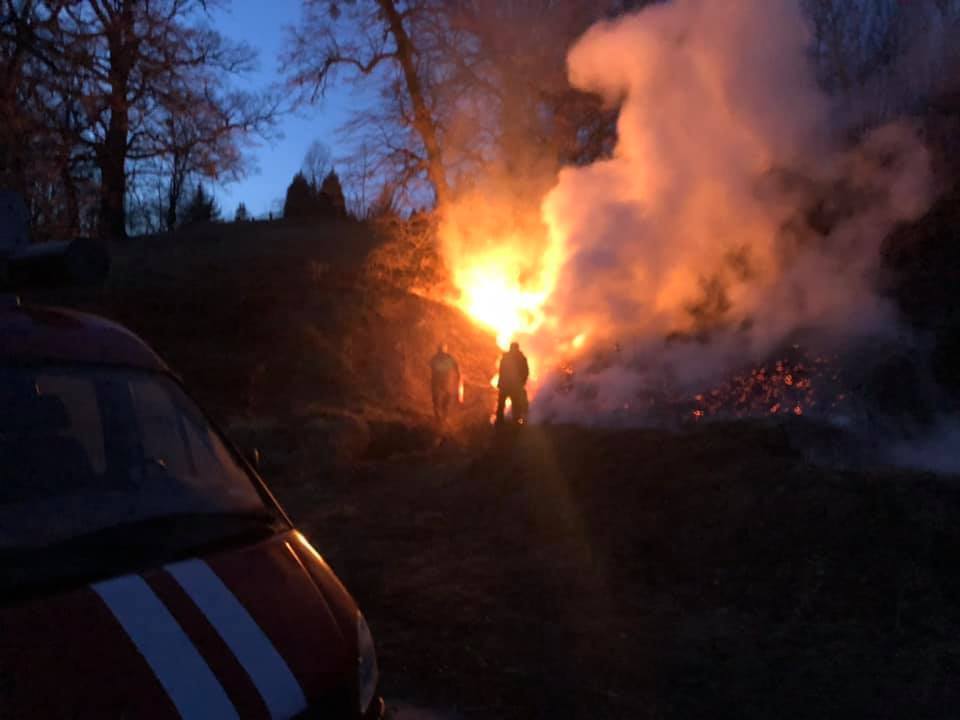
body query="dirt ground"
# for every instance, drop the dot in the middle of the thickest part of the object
(555, 572)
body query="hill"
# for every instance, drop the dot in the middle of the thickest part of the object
(557, 571)
(279, 327)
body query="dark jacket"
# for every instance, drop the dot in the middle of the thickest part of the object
(514, 371)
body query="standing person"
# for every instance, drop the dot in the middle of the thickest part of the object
(444, 383)
(514, 372)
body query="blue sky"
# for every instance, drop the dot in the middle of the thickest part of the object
(262, 24)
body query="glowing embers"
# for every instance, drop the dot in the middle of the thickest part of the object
(793, 385)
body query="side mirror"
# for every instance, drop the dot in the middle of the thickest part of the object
(253, 457)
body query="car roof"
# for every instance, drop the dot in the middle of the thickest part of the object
(39, 334)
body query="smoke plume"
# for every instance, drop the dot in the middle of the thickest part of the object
(731, 217)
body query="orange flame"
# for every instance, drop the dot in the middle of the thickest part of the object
(503, 262)
(493, 299)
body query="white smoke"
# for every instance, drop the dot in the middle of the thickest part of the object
(731, 211)
(934, 450)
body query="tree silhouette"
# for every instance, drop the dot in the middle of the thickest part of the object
(101, 98)
(201, 208)
(333, 192)
(373, 37)
(300, 198)
(317, 162)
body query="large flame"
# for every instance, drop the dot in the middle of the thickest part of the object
(505, 268)
(503, 263)
(493, 295)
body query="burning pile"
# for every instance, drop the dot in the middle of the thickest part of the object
(795, 384)
(731, 208)
(502, 263)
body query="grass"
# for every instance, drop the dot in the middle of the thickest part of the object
(559, 571)
(563, 572)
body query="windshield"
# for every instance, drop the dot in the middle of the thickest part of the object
(113, 453)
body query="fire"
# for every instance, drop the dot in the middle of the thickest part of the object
(696, 224)
(506, 411)
(492, 298)
(798, 383)
(503, 261)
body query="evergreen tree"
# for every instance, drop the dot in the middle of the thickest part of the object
(241, 215)
(333, 192)
(300, 198)
(201, 208)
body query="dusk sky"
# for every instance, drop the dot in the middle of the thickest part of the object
(263, 25)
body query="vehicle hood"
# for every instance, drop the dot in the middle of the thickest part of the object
(259, 631)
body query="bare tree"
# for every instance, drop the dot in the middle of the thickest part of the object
(97, 95)
(375, 38)
(33, 120)
(462, 83)
(141, 64)
(203, 141)
(512, 55)
(317, 163)
(359, 175)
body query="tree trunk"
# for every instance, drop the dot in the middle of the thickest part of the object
(423, 121)
(72, 225)
(174, 193)
(112, 159)
(13, 137)
(112, 154)
(172, 203)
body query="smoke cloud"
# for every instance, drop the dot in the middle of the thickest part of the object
(732, 215)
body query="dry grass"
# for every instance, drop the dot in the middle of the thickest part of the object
(287, 324)
(559, 572)
(588, 574)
